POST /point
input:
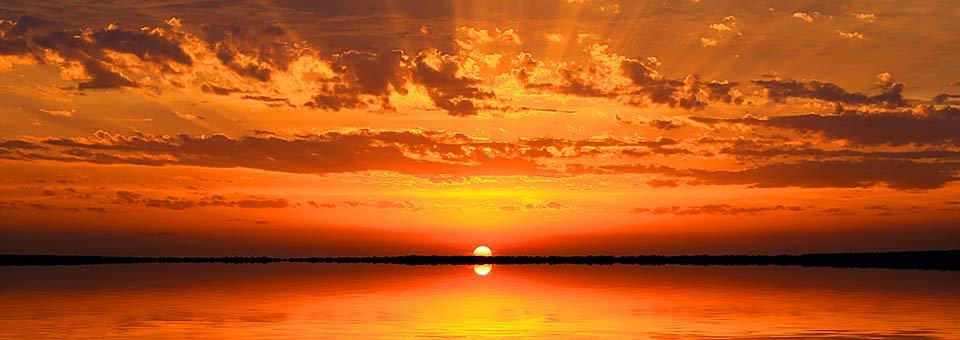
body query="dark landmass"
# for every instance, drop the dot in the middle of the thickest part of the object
(926, 260)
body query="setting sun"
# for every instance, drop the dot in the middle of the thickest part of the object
(482, 251)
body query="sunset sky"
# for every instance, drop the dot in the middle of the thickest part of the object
(362, 127)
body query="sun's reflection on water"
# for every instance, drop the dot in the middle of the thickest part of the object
(482, 269)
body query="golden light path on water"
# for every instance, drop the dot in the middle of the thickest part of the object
(388, 301)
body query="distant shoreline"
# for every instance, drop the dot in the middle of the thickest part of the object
(924, 260)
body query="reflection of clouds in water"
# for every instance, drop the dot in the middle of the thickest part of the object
(482, 269)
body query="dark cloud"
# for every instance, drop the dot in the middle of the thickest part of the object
(271, 101)
(260, 203)
(896, 174)
(664, 124)
(581, 169)
(927, 125)
(17, 144)
(407, 152)
(429, 153)
(127, 197)
(19, 204)
(946, 98)
(178, 203)
(715, 209)
(751, 149)
(558, 147)
(223, 91)
(592, 78)
(363, 74)
(691, 93)
(779, 90)
(448, 90)
(365, 80)
(89, 48)
(268, 47)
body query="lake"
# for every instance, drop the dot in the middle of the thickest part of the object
(373, 301)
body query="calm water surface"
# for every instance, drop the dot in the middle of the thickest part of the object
(391, 301)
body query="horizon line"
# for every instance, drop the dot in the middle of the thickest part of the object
(911, 259)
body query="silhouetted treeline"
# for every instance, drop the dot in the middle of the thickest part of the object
(929, 260)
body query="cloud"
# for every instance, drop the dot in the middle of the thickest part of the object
(448, 89)
(22, 145)
(88, 55)
(664, 124)
(20, 204)
(720, 31)
(59, 113)
(925, 125)
(270, 101)
(422, 153)
(178, 203)
(366, 80)
(426, 153)
(409, 152)
(946, 98)
(764, 149)
(363, 80)
(690, 93)
(896, 174)
(744, 149)
(803, 16)
(127, 196)
(397, 205)
(532, 206)
(248, 52)
(663, 183)
(850, 35)
(632, 81)
(779, 90)
(470, 38)
(716, 209)
(188, 116)
(865, 16)
(219, 90)
(101, 59)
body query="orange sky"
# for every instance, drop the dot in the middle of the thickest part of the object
(569, 127)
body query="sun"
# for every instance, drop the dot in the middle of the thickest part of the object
(482, 251)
